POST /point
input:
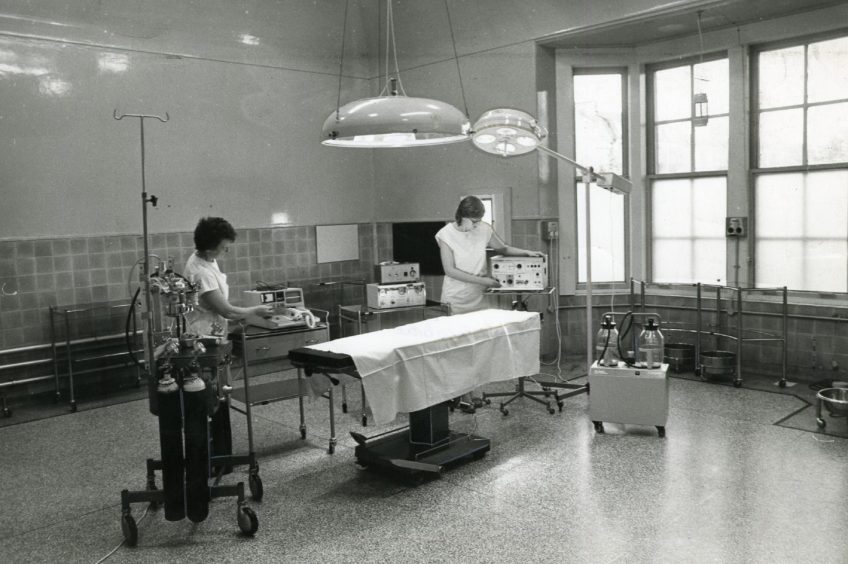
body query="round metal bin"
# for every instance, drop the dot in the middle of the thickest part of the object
(680, 357)
(717, 363)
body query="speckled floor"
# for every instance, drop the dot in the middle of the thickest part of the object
(727, 484)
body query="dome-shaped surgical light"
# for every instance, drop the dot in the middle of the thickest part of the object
(395, 121)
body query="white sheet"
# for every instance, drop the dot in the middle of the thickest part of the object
(414, 366)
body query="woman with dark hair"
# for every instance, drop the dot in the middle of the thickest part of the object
(463, 246)
(212, 237)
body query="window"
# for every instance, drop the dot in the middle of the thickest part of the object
(688, 162)
(599, 132)
(801, 170)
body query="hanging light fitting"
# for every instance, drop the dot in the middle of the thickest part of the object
(394, 119)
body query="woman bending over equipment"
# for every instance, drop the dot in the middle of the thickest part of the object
(463, 244)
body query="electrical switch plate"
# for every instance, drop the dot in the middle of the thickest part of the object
(550, 230)
(737, 227)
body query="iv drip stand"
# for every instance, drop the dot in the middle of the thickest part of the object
(149, 361)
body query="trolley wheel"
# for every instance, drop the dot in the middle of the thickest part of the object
(254, 484)
(551, 410)
(697, 371)
(344, 407)
(151, 487)
(303, 434)
(7, 412)
(599, 427)
(737, 383)
(487, 401)
(821, 423)
(588, 390)
(364, 420)
(247, 521)
(331, 449)
(559, 405)
(504, 410)
(782, 383)
(73, 407)
(661, 431)
(130, 530)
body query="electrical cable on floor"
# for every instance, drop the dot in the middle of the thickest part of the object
(114, 550)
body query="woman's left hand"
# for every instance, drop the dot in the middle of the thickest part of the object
(534, 253)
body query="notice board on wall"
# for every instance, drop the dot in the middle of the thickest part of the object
(337, 242)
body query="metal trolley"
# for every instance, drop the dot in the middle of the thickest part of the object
(715, 363)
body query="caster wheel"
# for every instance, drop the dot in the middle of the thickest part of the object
(599, 427)
(487, 401)
(130, 530)
(7, 412)
(254, 484)
(559, 405)
(73, 407)
(551, 410)
(821, 423)
(247, 521)
(331, 449)
(504, 410)
(153, 505)
(344, 408)
(698, 371)
(737, 383)
(661, 431)
(782, 383)
(303, 433)
(364, 421)
(588, 390)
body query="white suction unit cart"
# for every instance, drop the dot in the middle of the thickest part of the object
(637, 396)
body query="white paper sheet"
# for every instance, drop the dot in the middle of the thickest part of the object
(414, 366)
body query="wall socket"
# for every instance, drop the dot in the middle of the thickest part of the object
(736, 227)
(550, 230)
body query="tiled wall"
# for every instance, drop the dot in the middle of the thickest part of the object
(37, 274)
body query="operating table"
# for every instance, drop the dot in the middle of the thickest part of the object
(418, 369)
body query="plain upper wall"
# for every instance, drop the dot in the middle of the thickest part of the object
(247, 86)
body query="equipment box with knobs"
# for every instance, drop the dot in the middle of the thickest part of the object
(519, 273)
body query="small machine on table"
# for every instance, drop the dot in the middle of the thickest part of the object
(418, 368)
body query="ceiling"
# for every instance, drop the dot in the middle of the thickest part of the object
(671, 22)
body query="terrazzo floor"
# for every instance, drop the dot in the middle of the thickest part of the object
(729, 483)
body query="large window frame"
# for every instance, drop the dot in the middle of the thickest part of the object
(651, 151)
(757, 171)
(579, 191)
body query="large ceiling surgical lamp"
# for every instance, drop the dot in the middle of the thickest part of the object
(508, 132)
(393, 119)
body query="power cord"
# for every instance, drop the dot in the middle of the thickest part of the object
(114, 550)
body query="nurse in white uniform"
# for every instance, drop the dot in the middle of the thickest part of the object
(463, 244)
(212, 238)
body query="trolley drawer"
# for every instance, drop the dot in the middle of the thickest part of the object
(277, 346)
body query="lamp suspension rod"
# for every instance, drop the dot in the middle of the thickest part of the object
(700, 36)
(341, 59)
(390, 40)
(456, 60)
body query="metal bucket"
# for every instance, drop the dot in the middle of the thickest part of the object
(718, 363)
(680, 357)
(835, 400)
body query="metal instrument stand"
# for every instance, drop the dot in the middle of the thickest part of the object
(520, 304)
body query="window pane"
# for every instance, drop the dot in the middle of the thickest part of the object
(711, 145)
(827, 70)
(781, 138)
(607, 235)
(778, 196)
(598, 121)
(712, 78)
(827, 133)
(781, 77)
(672, 94)
(802, 234)
(674, 147)
(688, 230)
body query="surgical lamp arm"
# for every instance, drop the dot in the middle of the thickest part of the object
(608, 180)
